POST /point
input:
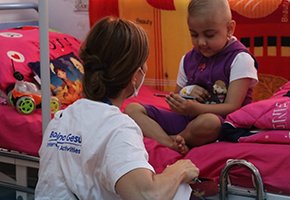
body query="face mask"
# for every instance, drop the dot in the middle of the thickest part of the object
(136, 90)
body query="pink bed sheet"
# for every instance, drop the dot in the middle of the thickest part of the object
(23, 133)
(272, 161)
(19, 132)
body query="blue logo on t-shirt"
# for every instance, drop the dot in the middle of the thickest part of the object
(65, 142)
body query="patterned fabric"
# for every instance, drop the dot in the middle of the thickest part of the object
(265, 115)
(20, 52)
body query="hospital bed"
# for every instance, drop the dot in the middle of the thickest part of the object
(244, 170)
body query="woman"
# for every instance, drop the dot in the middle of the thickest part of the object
(91, 150)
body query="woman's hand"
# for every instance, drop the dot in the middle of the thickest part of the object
(186, 167)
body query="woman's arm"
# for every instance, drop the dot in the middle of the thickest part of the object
(143, 184)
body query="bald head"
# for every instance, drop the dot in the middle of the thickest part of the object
(213, 8)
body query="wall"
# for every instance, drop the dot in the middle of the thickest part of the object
(62, 17)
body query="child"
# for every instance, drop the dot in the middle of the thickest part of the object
(91, 150)
(219, 72)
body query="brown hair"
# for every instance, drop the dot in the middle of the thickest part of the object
(113, 50)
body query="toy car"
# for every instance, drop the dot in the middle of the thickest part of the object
(26, 97)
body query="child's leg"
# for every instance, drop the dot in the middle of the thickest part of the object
(152, 127)
(202, 130)
(180, 144)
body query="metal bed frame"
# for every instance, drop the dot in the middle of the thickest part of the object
(232, 192)
(21, 162)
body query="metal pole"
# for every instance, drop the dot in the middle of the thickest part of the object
(15, 6)
(259, 187)
(44, 62)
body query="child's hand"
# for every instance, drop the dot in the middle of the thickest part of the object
(181, 105)
(200, 93)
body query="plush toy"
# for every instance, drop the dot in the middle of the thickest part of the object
(220, 90)
(218, 95)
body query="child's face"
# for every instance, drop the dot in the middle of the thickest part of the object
(209, 34)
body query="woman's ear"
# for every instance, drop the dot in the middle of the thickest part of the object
(231, 28)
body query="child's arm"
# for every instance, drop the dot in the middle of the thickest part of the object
(237, 92)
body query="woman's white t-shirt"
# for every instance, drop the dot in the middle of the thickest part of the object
(86, 149)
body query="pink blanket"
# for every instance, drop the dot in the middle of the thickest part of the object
(270, 117)
(272, 113)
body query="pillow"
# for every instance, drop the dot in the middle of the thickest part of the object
(268, 114)
(20, 52)
(17, 46)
